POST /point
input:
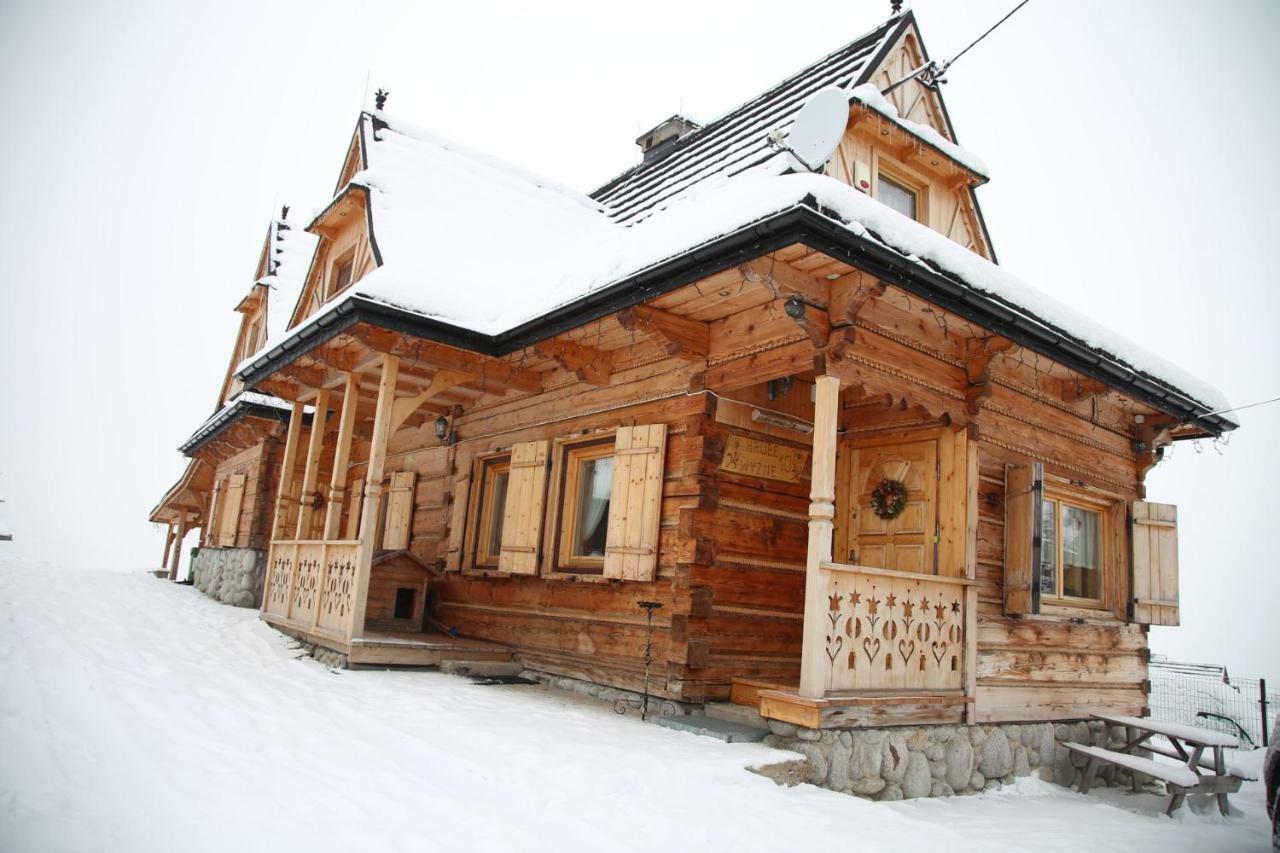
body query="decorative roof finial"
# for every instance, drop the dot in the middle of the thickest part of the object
(896, 6)
(284, 211)
(380, 99)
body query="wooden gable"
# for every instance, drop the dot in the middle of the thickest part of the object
(873, 146)
(343, 228)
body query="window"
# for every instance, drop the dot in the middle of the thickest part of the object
(1071, 548)
(897, 196)
(495, 473)
(584, 522)
(340, 279)
(251, 342)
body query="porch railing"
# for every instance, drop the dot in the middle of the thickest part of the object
(311, 583)
(892, 630)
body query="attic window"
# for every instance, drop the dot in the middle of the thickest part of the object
(896, 196)
(340, 279)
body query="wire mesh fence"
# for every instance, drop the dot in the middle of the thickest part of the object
(1208, 697)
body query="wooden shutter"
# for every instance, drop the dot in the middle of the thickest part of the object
(457, 523)
(631, 550)
(522, 516)
(1155, 563)
(395, 531)
(213, 528)
(1023, 495)
(229, 518)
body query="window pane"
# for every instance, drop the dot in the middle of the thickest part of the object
(897, 196)
(595, 484)
(1049, 548)
(343, 277)
(1081, 553)
(497, 510)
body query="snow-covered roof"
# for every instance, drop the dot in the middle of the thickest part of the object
(869, 95)
(476, 245)
(739, 139)
(244, 403)
(289, 253)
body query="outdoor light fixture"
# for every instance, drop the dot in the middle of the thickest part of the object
(442, 428)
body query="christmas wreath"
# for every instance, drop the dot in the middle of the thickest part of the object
(889, 499)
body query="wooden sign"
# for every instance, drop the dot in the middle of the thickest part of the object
(752, 457)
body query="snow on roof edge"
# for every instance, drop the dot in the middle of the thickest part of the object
(868, 94)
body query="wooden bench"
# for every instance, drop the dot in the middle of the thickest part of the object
(1176, 776)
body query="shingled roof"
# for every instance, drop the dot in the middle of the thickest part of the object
(738, 140)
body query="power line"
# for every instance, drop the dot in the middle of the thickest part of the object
(1242, 408)
(932, 72)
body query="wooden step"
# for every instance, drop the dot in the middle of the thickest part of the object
(743, 715)
(480, 668)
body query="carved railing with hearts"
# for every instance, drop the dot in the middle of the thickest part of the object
(310, 584)
(892, 630)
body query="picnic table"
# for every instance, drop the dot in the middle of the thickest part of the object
(1197, 774)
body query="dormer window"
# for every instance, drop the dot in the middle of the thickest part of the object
(340, 277)
(895, 195)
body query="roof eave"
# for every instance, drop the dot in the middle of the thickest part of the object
(218, 424)
(803, 223)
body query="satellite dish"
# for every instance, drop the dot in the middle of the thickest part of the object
(818, 128)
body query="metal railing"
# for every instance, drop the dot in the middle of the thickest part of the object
(1210, 698)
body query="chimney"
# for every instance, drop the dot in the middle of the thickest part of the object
(658, 142)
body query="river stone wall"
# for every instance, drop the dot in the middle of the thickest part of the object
(937, 761)
(231, 575)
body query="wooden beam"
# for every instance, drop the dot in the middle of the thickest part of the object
(177, 546)
(678, 336)
(487, 372)
(850, 294)
(589, 364)
(1149, 437)
(785, 280)
(812, 321)
(978, 355)
(440, 383)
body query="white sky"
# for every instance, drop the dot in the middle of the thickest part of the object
(1134, 176)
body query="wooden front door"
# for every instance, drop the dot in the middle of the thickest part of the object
(907, 542)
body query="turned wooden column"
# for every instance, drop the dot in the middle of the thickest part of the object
(342, 456)
(292, 439)
(373, 491)
(168, 543)
(813, 660)
(311, 472)
(177, 547)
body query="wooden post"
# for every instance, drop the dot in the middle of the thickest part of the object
(341, 456)
(292, 439)
(168, 543)
(373, 491)
(813, 673)
(177, 547)
(312, 470)
(971, 572)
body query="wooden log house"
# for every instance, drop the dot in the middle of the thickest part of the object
(228, 488)
(871, 477)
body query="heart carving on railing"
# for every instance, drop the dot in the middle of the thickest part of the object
(871, 648)
(834, 645)
(939, 649)
(906, 650)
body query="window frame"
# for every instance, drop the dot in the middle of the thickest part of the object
(346, 259)
(482, 513)
(904, 177)
(1064, 496)
(567, 452)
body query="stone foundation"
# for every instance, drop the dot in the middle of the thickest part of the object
(936, 761)
(623, 701)
(231, 575)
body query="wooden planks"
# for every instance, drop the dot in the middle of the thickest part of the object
(1155, 563)
(524, 509)
(632, 550)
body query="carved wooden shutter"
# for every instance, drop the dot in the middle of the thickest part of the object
(395, 532)
(1023, 496)
(229, 519)
(522, 516)
(457, 523)
(213, 527)
(1155, 563)
(631, 550)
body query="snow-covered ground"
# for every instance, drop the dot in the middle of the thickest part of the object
(137, 715)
